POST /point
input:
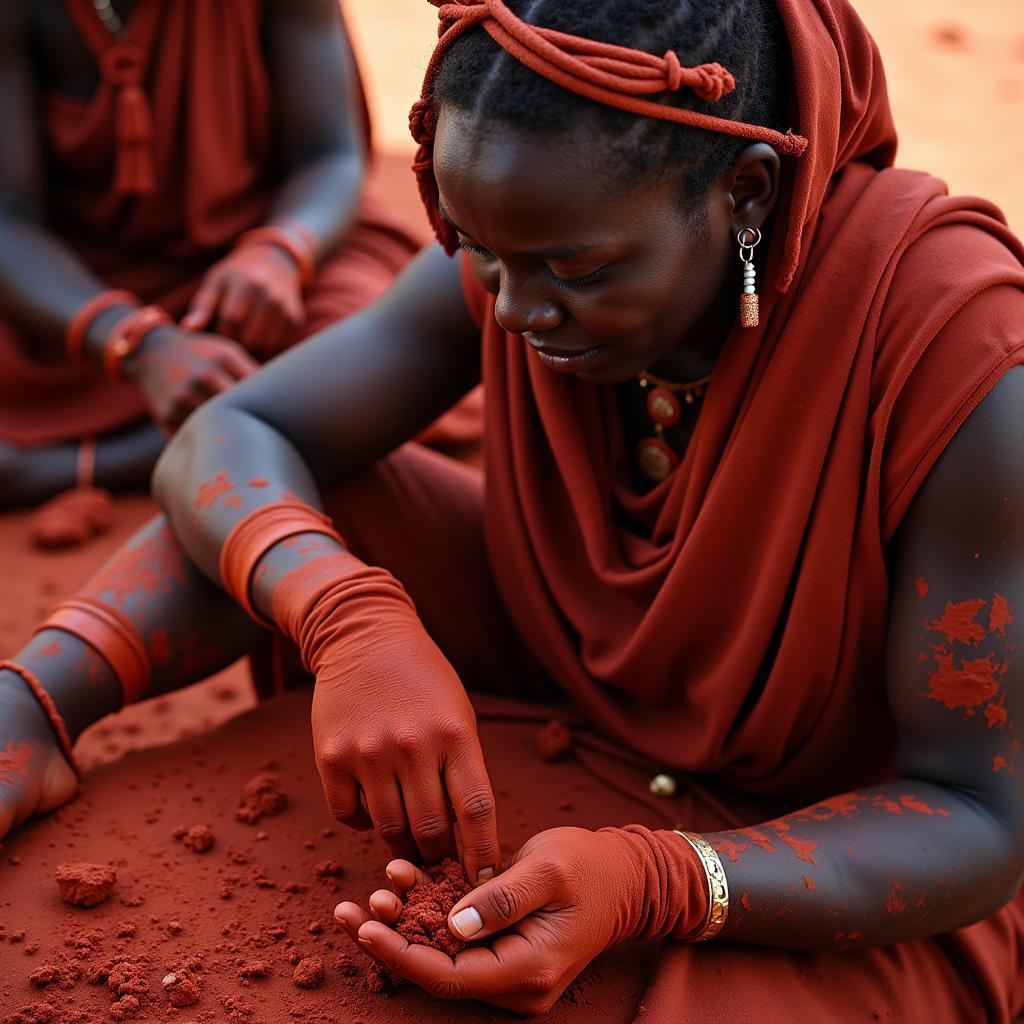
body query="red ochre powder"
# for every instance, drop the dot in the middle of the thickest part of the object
(262, 797)
(85, 885)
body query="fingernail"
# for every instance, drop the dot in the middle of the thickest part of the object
(484, 875)
(467, 922)
(368, 943)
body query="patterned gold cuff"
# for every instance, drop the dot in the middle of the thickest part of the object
(718, 886)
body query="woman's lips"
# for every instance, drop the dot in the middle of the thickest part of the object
(564, 360)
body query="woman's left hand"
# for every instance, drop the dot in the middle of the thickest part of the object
(253, 296)
(566, 896)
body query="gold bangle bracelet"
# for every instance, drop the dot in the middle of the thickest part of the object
(718, 886)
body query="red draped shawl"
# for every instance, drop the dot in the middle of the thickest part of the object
(741, 630)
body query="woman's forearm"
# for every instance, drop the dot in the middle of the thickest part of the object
(872, 867)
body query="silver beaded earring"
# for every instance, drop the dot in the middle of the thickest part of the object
(749, 239)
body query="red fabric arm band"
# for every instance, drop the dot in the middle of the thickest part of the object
(50, 709)
(74, 339)
(112, 635)
(127, 336)
(255, 534)
(298, 242)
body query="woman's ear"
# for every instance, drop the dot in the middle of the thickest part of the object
(753, 182)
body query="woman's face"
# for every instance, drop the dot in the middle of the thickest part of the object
(601, 280)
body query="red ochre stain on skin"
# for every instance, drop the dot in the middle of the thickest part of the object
(883, 803)
(895, 903)
(957, 623)
(1006, 764)
(803, 848)
(53, 647)
(995, 713)
(808, 883)
(153, 566)
(258, 481)
(14, 762)
(922, 657)
(210, 490)
(1000, 615)
(846, 805)
(730, 849)
(159, 646)
(233, 501)
(968, 686)
(745, 900)
(913, 804)
(922, 586)
(759, 839)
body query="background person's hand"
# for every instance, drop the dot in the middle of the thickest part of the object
(566, 896)
(253, 295)
(178, 370)
(35, 778)
(394, 733)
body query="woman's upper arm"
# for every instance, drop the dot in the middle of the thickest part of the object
(955, 658)
(314, 78)
(359, 389)
(21, 160)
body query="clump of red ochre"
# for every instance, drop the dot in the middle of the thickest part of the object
(198, 839)
(553, 740)
(262, 797)
(85, 885)
(424, 918)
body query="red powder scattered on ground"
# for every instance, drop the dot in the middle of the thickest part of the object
(329, 869)
(553, 740)
(85, 885)
(254, 969)
(309, 972)
(921, 584)
(424, 918)
(1000, 616)
(210, 490)
(261, 797)
(71, 518)
(957, 623)
(199, 839)
(13, 762)
(965, 687)
(183, 987)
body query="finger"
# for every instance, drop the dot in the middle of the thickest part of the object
(473, 802)
(524, 888)
(344, 801)
(279, 334)
(385, 906)
(212, 382)
(384, 802)
(203, 304)
(352, 917)
(238, 362)
(404, 875)
(235, 306)
(261, 327)
(426, 807)
(477, 973)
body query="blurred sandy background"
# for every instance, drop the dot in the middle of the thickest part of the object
(956, 77)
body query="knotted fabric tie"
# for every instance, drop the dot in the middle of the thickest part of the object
(123, 67)
(604, 72)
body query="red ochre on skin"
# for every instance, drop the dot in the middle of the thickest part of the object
(922, 586)
(968, 686)
(151, 567)
(210, 490)
(14, 762)
(1000, 615)
(957, 623)
(53, 647)
(730, 849)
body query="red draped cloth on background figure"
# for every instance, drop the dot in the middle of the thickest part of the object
(215, 176)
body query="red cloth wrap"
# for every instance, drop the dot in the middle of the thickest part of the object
(83, 319)
(299, 250)
(255, 534)
(49, 708)
(127, 335)
(111, 634)
(307, 602)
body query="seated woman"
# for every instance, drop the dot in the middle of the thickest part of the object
(753, 520)
(184, 197)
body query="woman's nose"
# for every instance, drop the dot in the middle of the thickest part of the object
(519, 310)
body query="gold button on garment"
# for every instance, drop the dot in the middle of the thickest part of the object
(662, 785)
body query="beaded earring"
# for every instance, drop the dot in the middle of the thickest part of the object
(749, 239)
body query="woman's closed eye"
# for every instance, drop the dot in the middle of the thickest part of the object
(593, 277)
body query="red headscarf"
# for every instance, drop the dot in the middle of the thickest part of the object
(740, 629)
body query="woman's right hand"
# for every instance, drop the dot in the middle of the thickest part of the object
(35, 778)
(395, 734)
(178, 370)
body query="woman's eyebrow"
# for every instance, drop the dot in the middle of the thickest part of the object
(560, 252)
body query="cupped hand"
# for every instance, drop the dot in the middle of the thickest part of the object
(253, 295)
(566, 896)
(35, 778)
(178, 370)
(395, 736)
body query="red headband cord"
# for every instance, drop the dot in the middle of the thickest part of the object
(614, 75)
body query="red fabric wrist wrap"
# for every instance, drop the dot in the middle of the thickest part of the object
(50, 709)
(298, 242)
(128, 335)
(112, 635)
(675, 899)
(307, 600)
(255, 534)
(74, 339)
